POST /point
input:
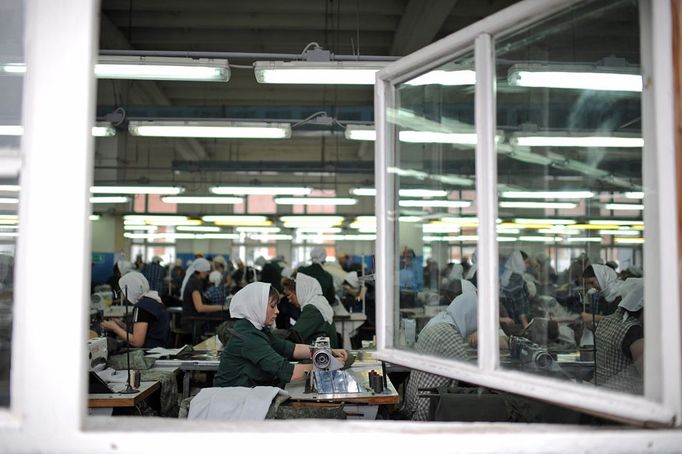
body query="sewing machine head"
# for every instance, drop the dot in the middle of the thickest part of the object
(323, 358)
(97, 351)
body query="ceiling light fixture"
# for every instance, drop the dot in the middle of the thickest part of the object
(435, 203)
(197, 228)
(317, 72)
(237, 220)
(202, 200)
(210, 129)
(444, 77)
(9, 188)
(258, 229)
(438, 137)
(259, 190)
(360, 132)
(629, 240)
(544, 221)
(574, 77)
(547, 194)
(161, 190)
(624, 206)
(99, 130)
(554, 205)
(583, 141)
(316, 201)
(109, 199)
(9, 200)
(634, 195)
(162, 68)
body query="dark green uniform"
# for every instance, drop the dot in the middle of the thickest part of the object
(254, 358)
(310, 325)
(324, 278)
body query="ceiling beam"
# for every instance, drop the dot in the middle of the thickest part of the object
(112, 38)
(421, 21)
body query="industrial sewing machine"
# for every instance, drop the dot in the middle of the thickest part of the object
(529, 353)
(97, 352)
(327, 376)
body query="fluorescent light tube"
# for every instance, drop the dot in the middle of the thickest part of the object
(317, 201)
(304, 72)
(9, 234)
(109, 199)
(576, 239)
(568, 78)
(319, 230)
(162, 68)
(402, 192)
(555, 205)
(629, 240)
(437, 137)
(217, 236)
(364, 192)
(9, 200)
(162, 190)
(311, 221)
(100, 130)
(435, 203)
(443, 77)
(620, 232)
(359, 132)
(624, 206)
(440, 228)
(615, 222)
(13, 68)
(539, 239)
(544, 221)
(547, 194)
(259, 190)
(208, 200)
(258, 229)
(558, 231)
(578, 141)
(237, 219)
(197, 228)
(634, 195)
(94, 217)
(270, 237)
(149, 228)
(9, 188)
(210, 129)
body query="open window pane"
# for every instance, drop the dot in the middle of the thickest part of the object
(11, 88)
(571, 196)
(435, 174)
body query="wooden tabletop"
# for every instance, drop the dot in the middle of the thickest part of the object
(145, 390)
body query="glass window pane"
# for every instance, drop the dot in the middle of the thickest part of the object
(435, 175)
(11, 85)
(570, 196)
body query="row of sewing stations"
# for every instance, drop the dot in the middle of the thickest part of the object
(359, 392)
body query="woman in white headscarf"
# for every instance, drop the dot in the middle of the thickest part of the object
(602, 281)
(620, 342)
(317, 316)
(192, 289)
(444, 336)
(151, 322)
(253, 356)
(513, 288)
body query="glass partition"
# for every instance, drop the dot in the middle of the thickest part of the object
(570, 191)
(433, 115)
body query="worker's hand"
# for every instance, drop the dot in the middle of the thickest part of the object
(473, 339)
(120, 323)
(506, 321)
(341, 354)
(109, 325)
(586, 317)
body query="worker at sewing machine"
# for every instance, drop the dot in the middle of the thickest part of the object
(254, 356)
(151, 321)
(317, 316)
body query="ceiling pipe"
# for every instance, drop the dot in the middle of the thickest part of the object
(235, 55)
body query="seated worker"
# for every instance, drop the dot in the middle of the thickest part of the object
(444, 336)
(253, 356)
(193, 301)
(318, 256)
(317, 316)
(513, 290)
(620, 344)
(216, 293)
(289, 309)
(610, 290)
(151, 322)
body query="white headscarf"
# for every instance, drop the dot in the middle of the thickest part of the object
(318, 255)
(287, 272)
(608, 281)
(514, 264)
(124, 266)
(215, 277)
(632, 291)
(456, 272)
(352, 279)
(135, 286)
(309, 291)
(468, 287)
(462, 313)
(251, 303)
(473, 268)
(200, 264)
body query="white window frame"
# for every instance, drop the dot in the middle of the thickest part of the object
(48, 390)
(662, 401)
